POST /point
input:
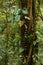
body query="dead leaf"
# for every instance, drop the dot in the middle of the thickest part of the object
(21, 23)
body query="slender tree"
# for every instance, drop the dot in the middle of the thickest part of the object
(30, 5)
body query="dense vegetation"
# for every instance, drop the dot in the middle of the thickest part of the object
(13, 51)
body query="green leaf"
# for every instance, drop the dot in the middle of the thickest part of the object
(21, 50)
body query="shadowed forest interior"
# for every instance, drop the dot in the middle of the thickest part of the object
(21, 32)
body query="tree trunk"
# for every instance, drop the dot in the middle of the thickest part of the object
(31, 6)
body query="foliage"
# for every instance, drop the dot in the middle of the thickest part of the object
(10, 34)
